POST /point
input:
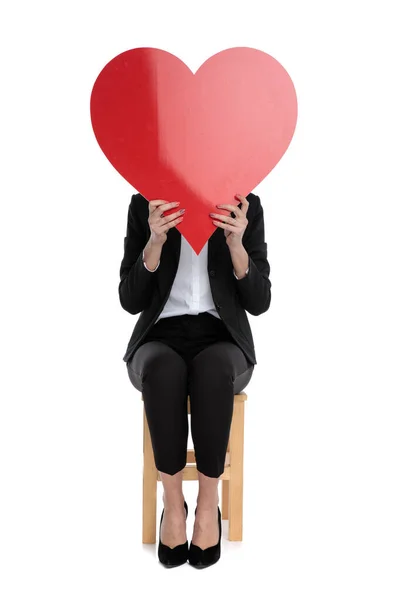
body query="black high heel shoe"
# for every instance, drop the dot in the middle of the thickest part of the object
(172, 557)
(200, 558)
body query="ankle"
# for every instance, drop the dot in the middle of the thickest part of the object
(206, 503)
(174, 501)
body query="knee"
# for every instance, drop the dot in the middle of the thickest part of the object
(212, 367)
(133, 377)
(164, 365)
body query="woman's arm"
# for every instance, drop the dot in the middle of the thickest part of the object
(136, 282)
(254, 289)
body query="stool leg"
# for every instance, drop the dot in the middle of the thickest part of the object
(235, 531)
(225, 499)
(149, 508)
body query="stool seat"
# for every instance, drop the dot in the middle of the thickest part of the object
(231, 478)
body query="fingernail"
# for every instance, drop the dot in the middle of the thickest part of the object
(182, 210)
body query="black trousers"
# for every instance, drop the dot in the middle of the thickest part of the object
(196, 355)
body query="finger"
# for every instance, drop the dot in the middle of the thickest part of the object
(223, 218)
(171, 224)
(226, 226)
(244, 201)
(173, 216)
(158, 204)
(231, 208)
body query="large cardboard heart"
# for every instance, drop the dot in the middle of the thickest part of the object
(195, 138)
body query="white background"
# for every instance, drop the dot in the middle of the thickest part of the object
(321, 503)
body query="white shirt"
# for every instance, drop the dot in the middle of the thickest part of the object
(191, 292)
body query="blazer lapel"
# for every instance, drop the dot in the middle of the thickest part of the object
(215, 243)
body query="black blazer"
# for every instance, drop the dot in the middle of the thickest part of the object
(146, 292)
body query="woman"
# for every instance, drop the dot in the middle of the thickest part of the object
(192, 337)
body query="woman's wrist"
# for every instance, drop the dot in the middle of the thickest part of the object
(151, 255)
(240, 261)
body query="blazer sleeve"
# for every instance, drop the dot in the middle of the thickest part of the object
(254, 289)
(136, 282)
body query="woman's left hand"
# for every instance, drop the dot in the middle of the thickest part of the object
(234, 227)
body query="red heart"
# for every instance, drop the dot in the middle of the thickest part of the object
(195, 138)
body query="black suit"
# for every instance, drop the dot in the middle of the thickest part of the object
(141, 291)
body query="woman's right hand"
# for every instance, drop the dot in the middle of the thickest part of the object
(159, 225)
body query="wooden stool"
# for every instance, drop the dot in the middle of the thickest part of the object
(232, 477)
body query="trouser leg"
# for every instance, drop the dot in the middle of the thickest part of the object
(160, 373)
(216, 374)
